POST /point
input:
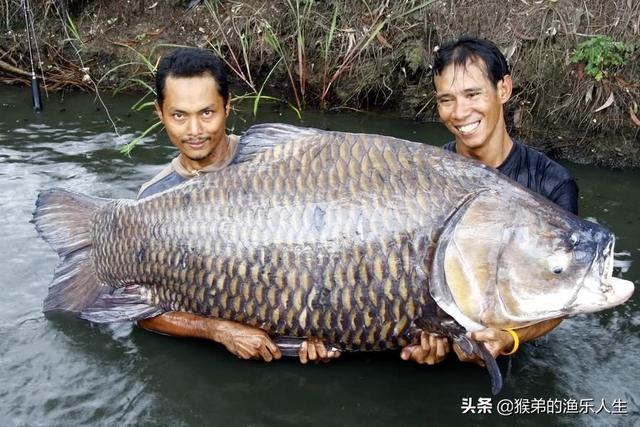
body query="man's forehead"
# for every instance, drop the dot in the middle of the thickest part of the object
(173, 79)
(471, 73)
(181, 87)
(191, 91)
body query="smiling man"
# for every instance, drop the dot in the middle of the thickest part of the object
(472, 84)
(193, 104)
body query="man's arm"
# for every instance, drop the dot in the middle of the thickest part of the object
(566, 196)
(244, 341)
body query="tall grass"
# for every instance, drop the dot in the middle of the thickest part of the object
(305, 41)
(359, 53)
(238, 62)
(144, 67)
(273, 40)
(325, 46)
(381, 20)
(73, 31)
(302, 17)
(238, 56)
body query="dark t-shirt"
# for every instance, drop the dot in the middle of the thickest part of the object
(538, 173)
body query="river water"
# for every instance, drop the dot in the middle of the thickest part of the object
(69, 372)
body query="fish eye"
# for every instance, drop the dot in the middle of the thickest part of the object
(574, 239)
(557, 269)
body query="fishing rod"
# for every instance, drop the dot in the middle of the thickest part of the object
(36, 99)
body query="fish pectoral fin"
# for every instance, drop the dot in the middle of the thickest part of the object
(289, 346)
(125, 304)
(474, 348)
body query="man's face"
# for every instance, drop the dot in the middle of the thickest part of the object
(470, 106)
(194, 114)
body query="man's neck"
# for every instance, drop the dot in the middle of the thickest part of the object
(492, 154)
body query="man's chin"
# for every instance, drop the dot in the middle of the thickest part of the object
(471, 142)
(196, 156)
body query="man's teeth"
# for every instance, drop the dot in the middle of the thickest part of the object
(468, 128)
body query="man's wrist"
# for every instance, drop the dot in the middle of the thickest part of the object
(512, 342)
(211, 329)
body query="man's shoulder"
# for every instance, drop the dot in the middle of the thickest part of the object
(164, 179)
(450, 146)
(539, 161)
(545, 176)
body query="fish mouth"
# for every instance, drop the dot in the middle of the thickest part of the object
(601, 290)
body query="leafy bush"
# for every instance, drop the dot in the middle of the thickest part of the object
(601, 55)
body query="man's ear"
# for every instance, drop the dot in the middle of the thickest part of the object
(158, 110)
(227, 107)
(505, 87)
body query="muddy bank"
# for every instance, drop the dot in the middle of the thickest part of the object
(357, 55)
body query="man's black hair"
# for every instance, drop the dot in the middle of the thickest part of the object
(191, 62)
(466, 48)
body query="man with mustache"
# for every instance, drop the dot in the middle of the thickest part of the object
(193, 104)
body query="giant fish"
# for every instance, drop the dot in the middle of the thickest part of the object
(360, 240)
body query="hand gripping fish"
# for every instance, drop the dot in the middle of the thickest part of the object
(360, 240)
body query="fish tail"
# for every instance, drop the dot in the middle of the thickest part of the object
(63, 219)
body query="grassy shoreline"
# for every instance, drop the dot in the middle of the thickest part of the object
(358, 55)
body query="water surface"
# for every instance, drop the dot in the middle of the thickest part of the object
(69, 372)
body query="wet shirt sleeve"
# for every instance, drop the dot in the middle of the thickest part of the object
(566, 195)
(542, 175)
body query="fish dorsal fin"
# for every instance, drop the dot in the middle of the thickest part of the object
(262, 137)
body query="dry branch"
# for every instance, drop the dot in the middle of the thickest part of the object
(13, 70)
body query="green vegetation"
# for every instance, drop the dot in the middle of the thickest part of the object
(601, 56)
(352, 54)
(72, 29)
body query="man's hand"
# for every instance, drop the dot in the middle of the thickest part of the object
(495, 340)
(313, 349)
(499, 341)
(246, 342)
(431, 350)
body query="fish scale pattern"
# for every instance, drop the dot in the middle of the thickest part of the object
(329, 236)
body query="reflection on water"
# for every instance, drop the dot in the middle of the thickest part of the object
(63, 371)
